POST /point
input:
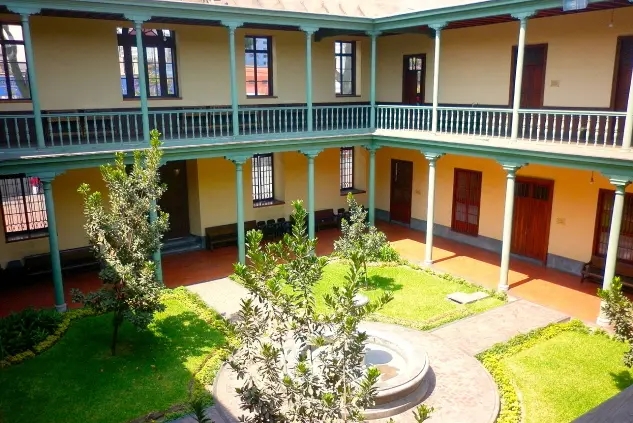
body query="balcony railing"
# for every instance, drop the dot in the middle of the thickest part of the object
(67, 129)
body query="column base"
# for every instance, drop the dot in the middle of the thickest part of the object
(61, 307)
(428, 262)
(602, 320)
(503, 288)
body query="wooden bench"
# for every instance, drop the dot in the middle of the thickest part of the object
(594, 270)
(82, 258)
(325, 219)
(223, 235)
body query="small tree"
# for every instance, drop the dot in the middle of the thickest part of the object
(124, 238)
(362, 241)
(619, 310)
(279, 332)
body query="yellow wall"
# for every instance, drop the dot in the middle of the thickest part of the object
(475, 63)
(77, 66)
(69, 212)
(573, 209)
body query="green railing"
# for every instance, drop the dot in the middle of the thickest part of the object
(572, 127)
(404, 118)
(17, 131)
(475, 121)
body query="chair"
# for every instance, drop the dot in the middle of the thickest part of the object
(261, 226)
(280, 226)
(270, 230)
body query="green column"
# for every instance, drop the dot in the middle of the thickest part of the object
(311, 155)
(371, 197)
(232, 26)
(518, 75)
(628, 124)
(35, 98)
(156, 256)
(60, 303)
(372, 82)
(309, 31)
(436, 73)
(511, 170)
(239, 193)
(430, 207)
(142, 76)
(614, 240)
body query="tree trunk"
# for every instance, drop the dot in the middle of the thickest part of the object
(116, 322)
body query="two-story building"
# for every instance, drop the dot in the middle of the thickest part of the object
(413, 107)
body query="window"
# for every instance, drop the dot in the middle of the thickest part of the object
(466, 201)
(345, 72)
(160, 63)
(347, 168)
(23, 208)
(14, 81)
(259, 66)
(263, 181)
(603, 226)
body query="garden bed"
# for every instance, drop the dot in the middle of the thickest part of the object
(419, 296)
(78, 380)
(557, 373)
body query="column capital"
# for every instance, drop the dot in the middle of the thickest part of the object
(431, 156)
(309, 30)
(437, 26)
(619, 181)
(137, 18)
(232, 25)
(311, 154)
(524, 15)
(511, 168)
(372, 148)
(238, 159)
(374, 33)
(23, 11)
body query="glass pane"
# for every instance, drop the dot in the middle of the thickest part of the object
(135, 69)
(262, 81)
(249, 43)
(347, 62)
(137, 89)
(262, 60)
(347, 88)
(119, 30)
(169, 69)
(168, 58)
(347, 47)
(4, 92)
(171, 87)
(150, 32)
(249, 59)
(261, 43)
(337, 47)
(18, 75)
(154, 87)
(12, 33)
(166, 33)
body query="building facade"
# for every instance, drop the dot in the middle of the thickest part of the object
(415, 111)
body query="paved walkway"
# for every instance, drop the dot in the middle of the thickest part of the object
(461, 388)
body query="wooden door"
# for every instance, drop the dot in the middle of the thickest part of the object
(401, 191)
(466, 201)
(623, 67)
(175, 200)
(413, 75)
(532, 215)
(533, 84)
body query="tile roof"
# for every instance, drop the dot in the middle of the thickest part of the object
(352, 8)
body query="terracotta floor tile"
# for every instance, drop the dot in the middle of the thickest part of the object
(551, 288)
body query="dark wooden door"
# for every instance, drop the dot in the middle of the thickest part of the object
(623, 68)
(401, 191)
(533, 85)
(466, 201)
(175, 200)
(413, 75)
(532, 215)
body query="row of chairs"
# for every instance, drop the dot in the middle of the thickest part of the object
(273, 229)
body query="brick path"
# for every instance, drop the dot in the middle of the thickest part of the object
(461, 390)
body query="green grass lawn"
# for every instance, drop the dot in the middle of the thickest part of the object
(77, 380)
(564, 377)
(419, 298)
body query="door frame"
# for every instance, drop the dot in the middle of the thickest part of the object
(405, 58)
(513, 69)
(616, 65)
(181, 165)
(454, 199)
(548, 224)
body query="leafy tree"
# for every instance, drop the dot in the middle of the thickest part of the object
(124, 238)
(297, 365)
(362, 241)
(619, 310)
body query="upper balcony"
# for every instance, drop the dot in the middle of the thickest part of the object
(209, 85)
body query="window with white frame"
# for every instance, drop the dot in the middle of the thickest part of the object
(263, 179)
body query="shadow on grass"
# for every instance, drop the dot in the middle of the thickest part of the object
(152, 371)
(622, 380)
(382, 283)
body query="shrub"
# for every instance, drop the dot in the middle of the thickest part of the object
(20, 332)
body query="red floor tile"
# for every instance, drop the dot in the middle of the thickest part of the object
(555, 289)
